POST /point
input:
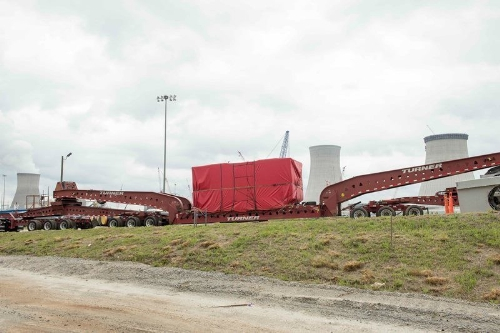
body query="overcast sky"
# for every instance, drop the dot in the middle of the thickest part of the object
(374, 77)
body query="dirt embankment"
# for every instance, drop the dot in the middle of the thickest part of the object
(49, 294)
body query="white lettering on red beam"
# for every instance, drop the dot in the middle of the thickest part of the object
(423, 167)
(242, 218)
(111, 193)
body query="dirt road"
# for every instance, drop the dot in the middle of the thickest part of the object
(71, 295)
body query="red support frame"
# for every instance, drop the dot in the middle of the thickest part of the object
(332, 196)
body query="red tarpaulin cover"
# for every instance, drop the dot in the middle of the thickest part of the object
(240, 187)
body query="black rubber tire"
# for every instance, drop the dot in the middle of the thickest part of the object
(115, 222)
(95, 222)
(55, 224)
(359, 212)
(494, 198)
(31, 226)
(64, 224)
(386, 211)
(47, 225)
(413, 211)
(150, 221)
(133, 222)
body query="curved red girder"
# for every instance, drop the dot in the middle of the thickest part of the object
(167, 202)
(332, 196)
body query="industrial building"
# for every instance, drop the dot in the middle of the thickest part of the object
(325, 170)
(440, 148)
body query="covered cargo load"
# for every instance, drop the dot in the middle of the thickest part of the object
(247, 186)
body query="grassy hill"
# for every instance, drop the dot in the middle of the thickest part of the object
(447, 255)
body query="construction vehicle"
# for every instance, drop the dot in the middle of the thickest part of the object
(334, 195)
(68, 212)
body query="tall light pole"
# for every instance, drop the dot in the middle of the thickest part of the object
(62, 167)
(165, 98)
(3, 196)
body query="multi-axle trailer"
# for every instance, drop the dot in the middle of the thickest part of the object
(67, 211)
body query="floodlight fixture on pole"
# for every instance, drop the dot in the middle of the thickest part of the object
(165, 98)
(62, 167)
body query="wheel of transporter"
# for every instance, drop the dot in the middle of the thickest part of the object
(65, 224)
(31, 226)
(149, 221)
(114, 223)
(55, 224)
(138, 222)
(386, 211)
(46, 225)
(413, 210)
(133, 222)
(494, 198)
(359, 212)
(95, 222)
(50, 225)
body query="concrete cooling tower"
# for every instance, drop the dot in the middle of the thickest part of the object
(444, 147)
(325, 170)
(27, 192)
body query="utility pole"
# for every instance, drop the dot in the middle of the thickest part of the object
(3, 196)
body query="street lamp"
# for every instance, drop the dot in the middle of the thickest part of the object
(62, 167)
(3, 196)
(165, 98)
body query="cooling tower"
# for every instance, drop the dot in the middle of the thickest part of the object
(27, 192)
(444, 147)
(325, 170)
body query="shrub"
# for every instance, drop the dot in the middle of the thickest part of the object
(352, 266)
(436, 280)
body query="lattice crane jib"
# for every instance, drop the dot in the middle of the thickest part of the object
(284, 146)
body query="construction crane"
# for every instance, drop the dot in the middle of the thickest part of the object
(241, 155)
(284, 146)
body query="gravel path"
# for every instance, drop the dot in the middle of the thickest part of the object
(50, 294)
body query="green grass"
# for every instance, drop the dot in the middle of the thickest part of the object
(448, 255)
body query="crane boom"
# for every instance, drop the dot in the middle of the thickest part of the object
(284, 146)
